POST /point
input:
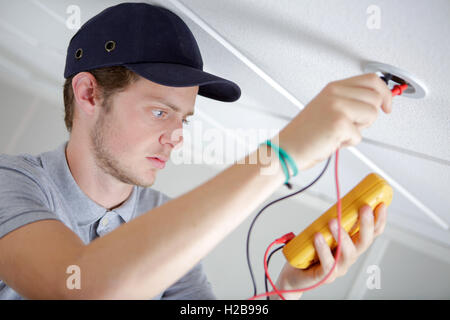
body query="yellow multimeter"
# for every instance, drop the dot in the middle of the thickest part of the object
(372, 190)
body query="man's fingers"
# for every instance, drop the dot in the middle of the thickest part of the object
(326, 258)
(350, 130)
(348, 249)
(366, 229)
(373, 82)
(380, 219)
(363, 112)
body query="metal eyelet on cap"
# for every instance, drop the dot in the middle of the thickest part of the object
(110, 45)
(79, 54)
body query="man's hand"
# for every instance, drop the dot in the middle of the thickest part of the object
(334, 119)
(292, 278)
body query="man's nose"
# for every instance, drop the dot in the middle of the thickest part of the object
(174, 136)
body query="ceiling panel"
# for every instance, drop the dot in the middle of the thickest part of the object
(304, 45)
(399, 265)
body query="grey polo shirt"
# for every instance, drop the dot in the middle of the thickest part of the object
(42, 187)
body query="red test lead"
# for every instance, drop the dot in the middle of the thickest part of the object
(398, 89)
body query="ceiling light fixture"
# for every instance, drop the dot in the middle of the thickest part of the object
(416, 89)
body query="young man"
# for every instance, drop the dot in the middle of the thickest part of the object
(133, 73)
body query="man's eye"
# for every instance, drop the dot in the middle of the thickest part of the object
(158, 113)
(186, 121)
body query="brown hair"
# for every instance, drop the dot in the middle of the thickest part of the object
(110, 80)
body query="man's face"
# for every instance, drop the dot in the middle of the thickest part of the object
(140, 125)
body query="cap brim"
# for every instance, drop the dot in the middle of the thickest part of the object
(178, 75)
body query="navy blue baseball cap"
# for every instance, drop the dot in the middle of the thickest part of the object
(150, 40)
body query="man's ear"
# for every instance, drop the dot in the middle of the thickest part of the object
(86, 92)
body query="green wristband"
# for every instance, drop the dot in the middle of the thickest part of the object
(286, 156)
(290, 161)
(280, 153)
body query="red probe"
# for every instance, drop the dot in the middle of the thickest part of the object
(398, 89)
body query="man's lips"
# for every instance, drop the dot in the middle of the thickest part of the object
(157, 162)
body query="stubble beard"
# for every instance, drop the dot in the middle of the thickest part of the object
(104, 159)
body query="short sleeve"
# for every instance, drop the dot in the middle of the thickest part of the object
(192, 286)
(22, 200)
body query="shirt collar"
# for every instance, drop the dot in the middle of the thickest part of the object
(86, 210)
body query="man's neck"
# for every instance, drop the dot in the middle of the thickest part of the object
(96, 184)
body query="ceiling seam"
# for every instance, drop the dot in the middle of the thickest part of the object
(409, 152)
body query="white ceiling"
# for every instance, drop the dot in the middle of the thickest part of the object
(302, 45)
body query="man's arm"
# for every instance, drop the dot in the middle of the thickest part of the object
(143, 257)
(192, 286)
(34, 259)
